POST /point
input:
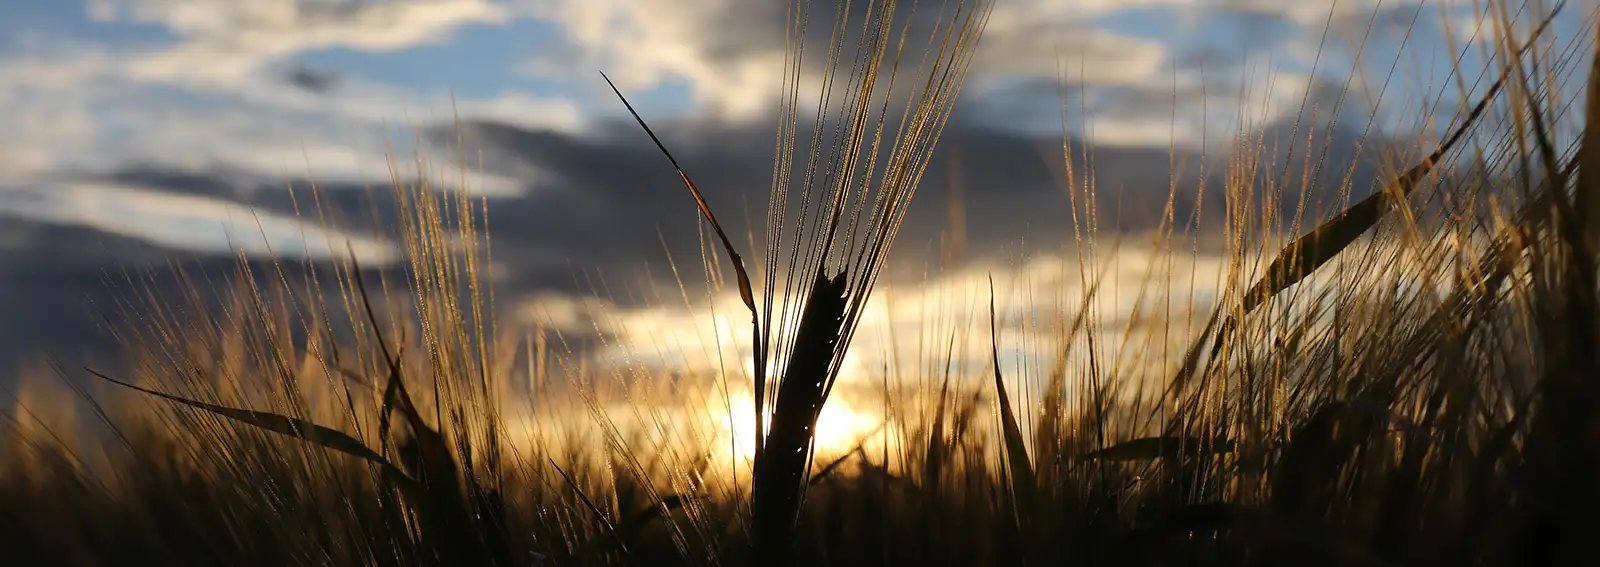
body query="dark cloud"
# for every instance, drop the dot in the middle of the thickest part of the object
(600, 222)
(55, 281)
(64, 288)
(311, 80)
(358, 207)
(612, 200)
(608, 208)
(330, 9)
(757, 27)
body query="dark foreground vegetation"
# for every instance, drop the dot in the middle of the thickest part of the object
(1413, 381)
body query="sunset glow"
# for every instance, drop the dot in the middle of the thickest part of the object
(840, 428)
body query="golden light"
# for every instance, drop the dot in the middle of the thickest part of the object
(840, 427)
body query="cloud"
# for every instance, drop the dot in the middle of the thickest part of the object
(221, 41)
(188, 222)
(84, 105)
(242, 49)
(604, 213)
(71, 108)
(1254, 59)
(213, 95)
(45, 103)
(610, 209)
(312, 80)
(729, 55)
(60, 283)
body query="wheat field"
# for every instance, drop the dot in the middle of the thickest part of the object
(1411, 377)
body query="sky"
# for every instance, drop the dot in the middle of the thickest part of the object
(136, 131)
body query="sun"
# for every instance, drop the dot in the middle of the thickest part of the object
(840, 427)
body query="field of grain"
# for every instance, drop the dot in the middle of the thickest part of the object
(1409, 377)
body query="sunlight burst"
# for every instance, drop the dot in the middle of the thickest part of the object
(840, 427)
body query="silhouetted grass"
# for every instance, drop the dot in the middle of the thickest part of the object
(1411, 382)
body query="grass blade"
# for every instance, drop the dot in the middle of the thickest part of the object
(605, 523)
(937, 450)
(860, 449)
(745, 292)
(1588, 158)
(1021, 469)
(294, 427)
(1151, 448)
(666, 505)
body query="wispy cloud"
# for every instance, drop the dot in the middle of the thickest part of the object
(189, 222)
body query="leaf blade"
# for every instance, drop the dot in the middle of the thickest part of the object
(304, 430)
(1022, 477)
(1151, 448)
(745, 291)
